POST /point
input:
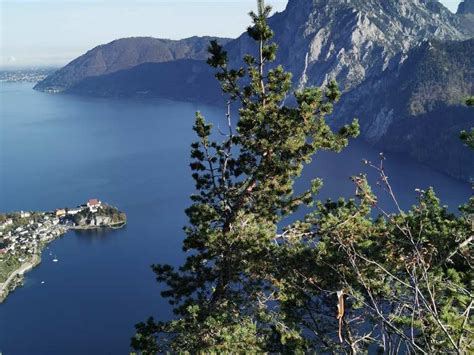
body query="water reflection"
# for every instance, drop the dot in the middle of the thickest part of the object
(90, 236)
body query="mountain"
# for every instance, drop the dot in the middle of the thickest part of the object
(124, 54)
(382, 53)
(416, 107)
(183, 79)
(466, 7)
(350, 40)
(466, 13)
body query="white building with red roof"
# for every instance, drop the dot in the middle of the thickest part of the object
(94, 204)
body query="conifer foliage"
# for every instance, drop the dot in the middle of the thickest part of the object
(404, 279)
(223, 295)
(337, 281)
(468, 137)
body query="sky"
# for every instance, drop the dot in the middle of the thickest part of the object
(36, 33)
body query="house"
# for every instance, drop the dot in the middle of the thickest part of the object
(94, 204)
(74, 211)
(7, 223)
(61, 213)
(25, 214)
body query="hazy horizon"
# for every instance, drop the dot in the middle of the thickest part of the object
(51, 33)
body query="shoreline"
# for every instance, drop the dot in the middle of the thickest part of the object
(18, 276)
(118, 225)
(15, 278)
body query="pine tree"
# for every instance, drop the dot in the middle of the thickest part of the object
(224, 294)
(470, 101)
(468, 137)
(404, 278)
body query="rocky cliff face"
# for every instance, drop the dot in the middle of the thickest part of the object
(101, 221)
(416, 107)
(97, 221)
(351, 40)
(124, 54)
(106, 216)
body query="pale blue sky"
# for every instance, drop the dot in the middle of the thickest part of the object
(53, 32)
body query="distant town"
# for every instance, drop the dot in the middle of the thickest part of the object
(23, 235)
(25, 75)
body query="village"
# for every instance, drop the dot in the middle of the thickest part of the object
(22, 232)
(23, 235)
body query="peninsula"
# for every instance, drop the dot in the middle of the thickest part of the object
(23, 236)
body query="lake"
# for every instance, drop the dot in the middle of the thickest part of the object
(60, 150)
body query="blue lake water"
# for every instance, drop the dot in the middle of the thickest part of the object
(58, 150)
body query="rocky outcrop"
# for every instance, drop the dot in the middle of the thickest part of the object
(97, 221)
(100, 221)
(106, 217)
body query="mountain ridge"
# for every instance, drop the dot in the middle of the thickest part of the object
(125, 53)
